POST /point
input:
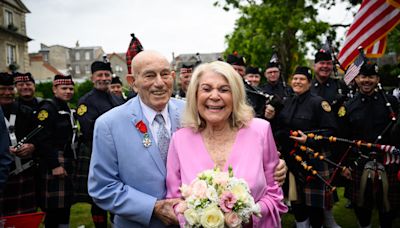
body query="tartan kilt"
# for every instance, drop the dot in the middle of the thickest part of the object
(19, 195)
(57, 192)
(81, 174)
(312, 193)
(393, 190)
(315, 190)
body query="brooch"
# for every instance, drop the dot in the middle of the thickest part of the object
(141, 126)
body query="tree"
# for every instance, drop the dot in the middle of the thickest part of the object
(287, 25)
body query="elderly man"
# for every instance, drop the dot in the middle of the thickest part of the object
(127, 169)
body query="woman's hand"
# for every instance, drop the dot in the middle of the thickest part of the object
(301, 138)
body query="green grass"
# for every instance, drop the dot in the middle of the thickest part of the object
(80, 215)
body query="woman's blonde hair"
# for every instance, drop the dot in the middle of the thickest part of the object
(241, 114)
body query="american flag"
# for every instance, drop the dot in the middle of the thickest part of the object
(373, 21)
(354, 68)
(378, 49)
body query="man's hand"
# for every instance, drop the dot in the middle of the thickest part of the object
(59, 171)
(280, 172)
(165, 212)
(24, 151)
(346, 172)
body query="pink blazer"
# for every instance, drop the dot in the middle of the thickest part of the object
(253, 158)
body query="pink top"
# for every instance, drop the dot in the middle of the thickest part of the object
(253, 158)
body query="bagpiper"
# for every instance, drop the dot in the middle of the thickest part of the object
(57, 145)
(19, 195)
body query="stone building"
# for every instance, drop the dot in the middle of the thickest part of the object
(13, 36)
(42, 70)
(81, 58)
(118, 65)
(193, 58)
(75, 61)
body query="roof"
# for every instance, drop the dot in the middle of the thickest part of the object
(205, 57)
(17, 4)
(118, 55)
(51, 68)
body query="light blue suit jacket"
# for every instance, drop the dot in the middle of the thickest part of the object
(125, 177)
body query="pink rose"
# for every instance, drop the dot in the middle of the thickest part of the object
(186, 190)
(232, 220)
(227, 201)
(221, 178)
(199, 189)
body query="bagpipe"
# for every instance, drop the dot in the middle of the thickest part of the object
(18, 166)
(391, 155)
(258, 99)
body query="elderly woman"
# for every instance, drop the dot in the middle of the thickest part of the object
(220, 131)
(305, 112)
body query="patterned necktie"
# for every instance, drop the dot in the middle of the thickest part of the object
(162, 137)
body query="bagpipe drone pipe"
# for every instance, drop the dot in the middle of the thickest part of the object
(301, 154)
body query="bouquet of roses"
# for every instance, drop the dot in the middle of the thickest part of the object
(216, 199)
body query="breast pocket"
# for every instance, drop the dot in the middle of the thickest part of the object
(303, 121)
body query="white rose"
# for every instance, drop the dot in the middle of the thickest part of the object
(212, 217)
(191, 216)
(240, 192)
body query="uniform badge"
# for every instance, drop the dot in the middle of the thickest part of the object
(342, 111)
(82, 109)
(325, 105)
(43, 115)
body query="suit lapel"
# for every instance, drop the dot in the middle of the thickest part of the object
(137, 116)
(174, 116)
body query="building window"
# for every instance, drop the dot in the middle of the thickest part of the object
(87, 55)
(87, 69)
(118, 68)
(11, 54)
(67, 54)
(46, 57)
(77, 56)
(77, 69)
(9, 19)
